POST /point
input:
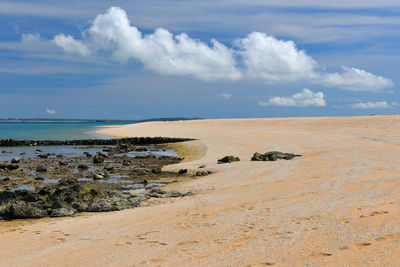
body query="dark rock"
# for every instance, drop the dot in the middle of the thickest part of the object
(183, 171)
(126, 162)
(98, 159)
(172, 193)
(140, 149)
(273, 156)
(43, 156)
(39, 178)
(61, 212)
(257, 157)
(202, 173)
(6, 179)
(77, 188)
(15, 160)
(202, 166)
(156, 170)
(68, 181)
(23, 210)
(31, 197)
(83, 167)
(228, 159)
(63, 163)
(157, 190)
(7, 166)
(139, 171)
(41, 168)
(188, 194)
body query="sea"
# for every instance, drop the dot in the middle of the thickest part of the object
(54, 129)
(60, 130)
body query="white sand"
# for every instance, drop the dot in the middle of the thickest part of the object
(338, 204)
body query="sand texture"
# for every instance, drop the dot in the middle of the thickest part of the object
(337, 205)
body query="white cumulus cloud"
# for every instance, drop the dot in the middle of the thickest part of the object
(256, 56)
(70, 45)
(50, 111)
(162, 51)
(275, 60)
(354, 79)
(306, 98)
(371, 105)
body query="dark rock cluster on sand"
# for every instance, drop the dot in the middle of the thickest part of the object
(228, 159)
(68, 198)
(273, 156)
(56, 185)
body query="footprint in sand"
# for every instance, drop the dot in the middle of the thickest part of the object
(358, 245)
(319, 255)
(372, 214)
(261, 264)
(389, 236)
(182, 243)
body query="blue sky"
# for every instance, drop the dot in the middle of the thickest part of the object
(212, 59)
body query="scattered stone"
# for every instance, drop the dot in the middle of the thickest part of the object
(156, 170)
(228, 159)
(15, 160)
(97, 176)
(98, 159)
(126, 162)
(202, 173)
(83, 167)
(273, 156)
(182, 171)
(63, 163)
(7, 166)
(41, 168)
(140, 149)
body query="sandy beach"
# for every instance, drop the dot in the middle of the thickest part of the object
(337, 205)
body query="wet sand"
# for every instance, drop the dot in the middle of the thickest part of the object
(337, 205)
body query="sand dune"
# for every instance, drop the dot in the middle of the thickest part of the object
(337, 205)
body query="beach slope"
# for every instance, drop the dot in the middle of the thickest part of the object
(338, 204)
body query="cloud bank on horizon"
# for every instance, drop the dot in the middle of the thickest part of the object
(258, 56)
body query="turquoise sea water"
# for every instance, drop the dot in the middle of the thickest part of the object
(52, 130)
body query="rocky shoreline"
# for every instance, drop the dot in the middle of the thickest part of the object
(120, 175)
(92, 142)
